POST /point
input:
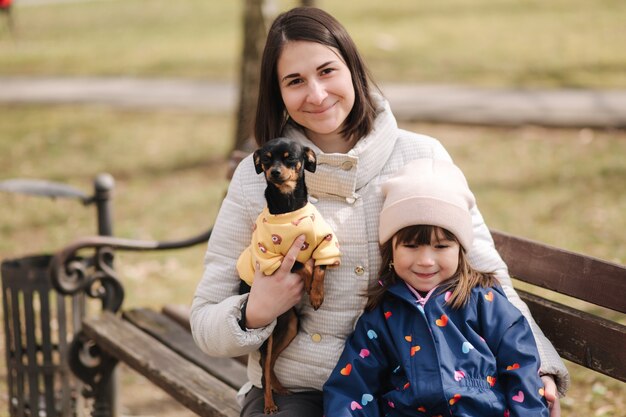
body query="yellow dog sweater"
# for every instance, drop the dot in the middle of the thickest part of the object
(274, 234)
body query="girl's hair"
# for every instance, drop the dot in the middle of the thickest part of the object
(312, 25)
(460, 284)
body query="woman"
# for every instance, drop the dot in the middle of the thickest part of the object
(315, 89)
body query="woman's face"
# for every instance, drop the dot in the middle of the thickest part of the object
(316, 86)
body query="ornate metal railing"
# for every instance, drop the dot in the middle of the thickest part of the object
(82, 270)
(94, 276)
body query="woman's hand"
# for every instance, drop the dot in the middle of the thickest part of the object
(549, 391)
(270, 296)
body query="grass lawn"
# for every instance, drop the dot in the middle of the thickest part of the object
(530, 43)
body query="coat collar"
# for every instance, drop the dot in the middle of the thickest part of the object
(400, 290)
(343, 175)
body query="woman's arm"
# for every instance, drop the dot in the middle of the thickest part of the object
(484, 257)
(216, 306)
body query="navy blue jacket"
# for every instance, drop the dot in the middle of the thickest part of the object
(405, 359)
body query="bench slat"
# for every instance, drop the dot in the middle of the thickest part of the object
(177, 338)
(179, 313)
(184, 381)
(576, 335)
(563, 271)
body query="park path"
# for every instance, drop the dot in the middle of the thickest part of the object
(429, 103)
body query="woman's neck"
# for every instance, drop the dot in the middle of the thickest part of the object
(331, 142)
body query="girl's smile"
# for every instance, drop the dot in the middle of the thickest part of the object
(425, 275)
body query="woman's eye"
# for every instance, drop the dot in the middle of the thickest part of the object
(326, 71)
(295, 81)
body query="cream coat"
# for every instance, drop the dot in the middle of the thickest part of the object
(346, 190)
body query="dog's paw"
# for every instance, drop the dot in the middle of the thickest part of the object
(316, 298)
(270, 409)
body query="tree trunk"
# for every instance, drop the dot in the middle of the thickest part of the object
(253, 43)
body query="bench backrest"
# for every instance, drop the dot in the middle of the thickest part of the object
(577, 331)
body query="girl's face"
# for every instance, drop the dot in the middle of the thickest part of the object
(424, 267)
(316, 87)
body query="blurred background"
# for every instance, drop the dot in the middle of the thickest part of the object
(561, 186)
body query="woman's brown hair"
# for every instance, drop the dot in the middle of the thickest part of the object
(312, 25)
(460, 284)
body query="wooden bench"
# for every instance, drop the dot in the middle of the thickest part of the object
(163, 351)
(159, 346)
(594, 342)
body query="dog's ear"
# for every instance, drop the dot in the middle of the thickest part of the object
(310, 160)
(257, 161)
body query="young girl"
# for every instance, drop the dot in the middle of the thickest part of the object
(438, 338)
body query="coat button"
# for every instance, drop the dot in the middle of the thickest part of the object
(359, 270)
(316, 337)
(347, 165)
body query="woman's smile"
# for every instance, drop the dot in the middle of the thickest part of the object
(320, 110)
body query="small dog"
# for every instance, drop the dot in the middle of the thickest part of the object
(288, 214)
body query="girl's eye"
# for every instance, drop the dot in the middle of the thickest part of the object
(444, 244)
(326, 71)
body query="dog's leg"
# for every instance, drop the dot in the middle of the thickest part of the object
(270, 405)
(284, 333)
(317, 287)
(306, 273)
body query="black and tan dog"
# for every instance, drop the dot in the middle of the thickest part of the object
(288, 214)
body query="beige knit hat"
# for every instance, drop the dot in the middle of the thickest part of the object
(428, 192)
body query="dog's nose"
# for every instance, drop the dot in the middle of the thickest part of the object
(275, 172)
